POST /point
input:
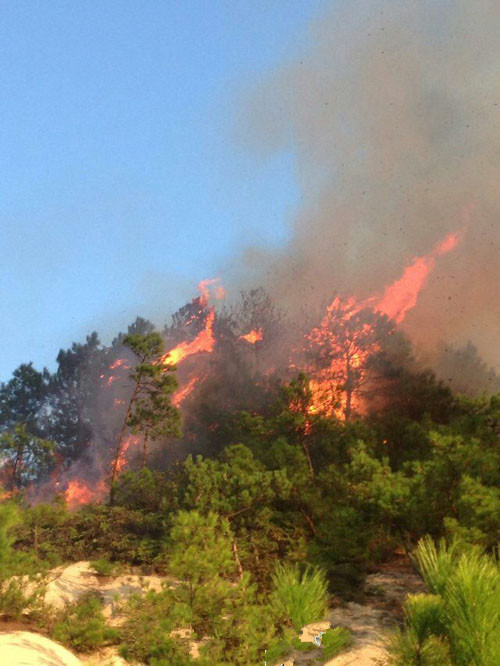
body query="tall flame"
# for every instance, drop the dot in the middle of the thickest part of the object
(401, 296)
(130, 441)
(203, 342)
(343, 344)
(181, 394)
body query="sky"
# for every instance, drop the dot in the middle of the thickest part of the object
(122, 180)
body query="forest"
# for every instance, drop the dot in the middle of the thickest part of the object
(267, 465)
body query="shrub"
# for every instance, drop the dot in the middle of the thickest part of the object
(146, 634)
(459, 623)
(82, 626)
(334, 641)
(103, 567)
(21, 587)
(299, 597)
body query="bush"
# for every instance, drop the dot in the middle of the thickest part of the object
(145, 636)
(459, 623)
(334, 641)
(299, 597)
(21, 587)
(103, 567)
(82, 626)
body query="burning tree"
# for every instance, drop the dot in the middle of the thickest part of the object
(150, 412)
(343, 352)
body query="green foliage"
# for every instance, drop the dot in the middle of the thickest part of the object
(150, 412)
(45, 530)
(459, 622)
(24, 455)
(21, 587)
(103, 567)
(334, 641)
(146, 634)
(239, 488)
(206, 597)
(406, 650)
(82, 626)
(299, 597)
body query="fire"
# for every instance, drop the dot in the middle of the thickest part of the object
(252, 337)
(401, 296)
(345, 339)
(203, 342)
(181, 394)
(209, 288)
(130, 441)
(341, 346)
(119, 362)
(78, 493)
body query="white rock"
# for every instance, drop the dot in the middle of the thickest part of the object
(24, 648)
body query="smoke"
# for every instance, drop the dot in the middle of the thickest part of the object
(393, 115)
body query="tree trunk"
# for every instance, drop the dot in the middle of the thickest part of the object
(237, 559)
(18, 462)
(120, 443)
(306, 451)
(145, 450)
(348, 390)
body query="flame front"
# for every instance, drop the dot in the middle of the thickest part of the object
(344, 341)
(401, 296)
(252, 337)
(203, 342)
(78, 493)
(128, 442)
(181, 394)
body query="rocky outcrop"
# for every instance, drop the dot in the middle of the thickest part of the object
(22, 648)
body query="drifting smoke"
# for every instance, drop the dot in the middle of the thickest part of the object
(392, 114)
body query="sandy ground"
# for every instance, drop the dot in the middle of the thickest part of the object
(368, 621)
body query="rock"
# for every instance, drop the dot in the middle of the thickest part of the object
(24, 648)
(70, 583)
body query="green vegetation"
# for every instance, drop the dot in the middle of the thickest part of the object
(299, 598)
(458, 622)
(259, 475)
(103, 567)
(83, 627)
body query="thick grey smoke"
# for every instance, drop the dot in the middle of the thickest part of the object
(393, 115)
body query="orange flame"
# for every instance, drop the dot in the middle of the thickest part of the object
(344, 344)
(252, 337)
(401, 296)
(181, 394)
(209, 288)
(119, 362)
(204, 342)
(79, 493)
(131, 440)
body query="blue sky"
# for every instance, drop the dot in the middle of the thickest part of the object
(121, 183)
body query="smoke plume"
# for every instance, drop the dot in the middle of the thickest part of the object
(392, 113)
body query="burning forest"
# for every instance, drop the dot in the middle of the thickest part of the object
(319, 421)
(227, 356)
